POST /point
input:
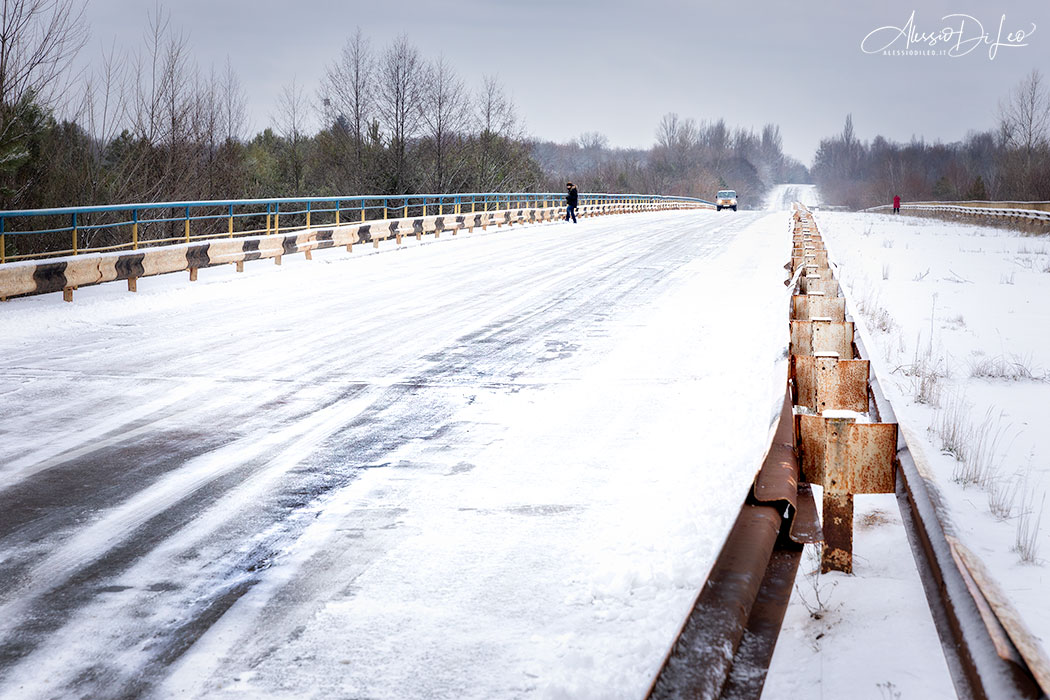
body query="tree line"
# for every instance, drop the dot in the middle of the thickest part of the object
(689, 158)
(151, 125)
(1009, 162)
(148, 124)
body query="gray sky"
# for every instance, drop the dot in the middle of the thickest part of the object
(616, 67)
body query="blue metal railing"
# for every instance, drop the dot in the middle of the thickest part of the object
(74, 230)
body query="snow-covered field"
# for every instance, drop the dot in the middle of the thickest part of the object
(957, 318)
(494, 465)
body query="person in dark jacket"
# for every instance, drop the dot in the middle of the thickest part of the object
(896, 204)
(572, 198)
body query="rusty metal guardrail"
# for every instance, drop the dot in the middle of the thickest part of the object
(724, 647)
(837, 430)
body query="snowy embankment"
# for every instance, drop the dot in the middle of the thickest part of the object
(957, 320)
(496, 465)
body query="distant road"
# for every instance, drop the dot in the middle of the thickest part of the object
(782, 196)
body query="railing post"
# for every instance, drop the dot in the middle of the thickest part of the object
(406, 207)
(386, 208)
(308, 215)
(268, 219)
(187, 224)
(134, 229)
(277, 218)
(231, 221)
(3, 242)
(337, 212)
(74, 233)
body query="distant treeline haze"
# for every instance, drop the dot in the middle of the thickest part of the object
(1010, 162)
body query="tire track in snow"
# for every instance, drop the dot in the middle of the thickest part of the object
(120, 523)
(50, 660)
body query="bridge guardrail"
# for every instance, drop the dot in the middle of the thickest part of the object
(1031, 211)
(66, 274)
(32, 234)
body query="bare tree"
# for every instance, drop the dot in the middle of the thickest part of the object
(676, 142)
(443, 106)
(232, 101)
(399, 79)
(1024, 126)
(498, 128)
(104, 115)
(166, 83)
(1025, 115)
(1024, 132)
(163, 79)
(38, 40)
(347, 92)
(495, 111)
(290, 122)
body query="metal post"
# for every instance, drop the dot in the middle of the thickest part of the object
(337, 212)
(277, 218)
(134, 229)
(231, 221)
(74, 233)
(267, 219)
(187, 224)
(406, 207)
(3, 242)
(308, 215)
(386, 208)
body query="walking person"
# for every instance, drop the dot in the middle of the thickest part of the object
(896, 204)
(572, 198)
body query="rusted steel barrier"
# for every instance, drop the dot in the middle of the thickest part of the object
(988, 651)
(836, 430)
(724, 647)
(67, 274)
(842, 450)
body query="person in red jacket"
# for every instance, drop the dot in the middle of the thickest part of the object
(896, 204)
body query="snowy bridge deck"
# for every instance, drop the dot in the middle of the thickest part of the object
(471, 467)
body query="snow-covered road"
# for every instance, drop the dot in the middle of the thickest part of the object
(492, 465)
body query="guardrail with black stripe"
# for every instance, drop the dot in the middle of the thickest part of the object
(66, 274)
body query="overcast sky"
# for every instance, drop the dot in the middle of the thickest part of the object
(616, 67)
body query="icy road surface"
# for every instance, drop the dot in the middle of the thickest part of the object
(496, 465)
